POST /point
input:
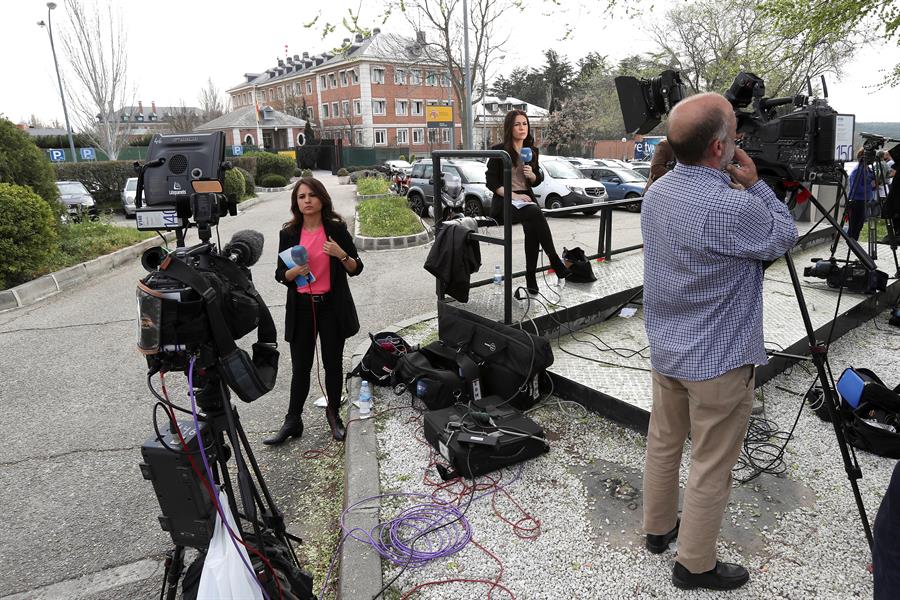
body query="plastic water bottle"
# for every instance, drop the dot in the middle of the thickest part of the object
(365, 400)
(498, 280)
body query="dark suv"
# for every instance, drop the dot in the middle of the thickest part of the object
(474, 198)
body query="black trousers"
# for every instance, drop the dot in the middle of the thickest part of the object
(322, 323)
(537, 235)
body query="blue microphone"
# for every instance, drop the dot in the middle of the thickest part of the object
(300, 257)
(525, 155)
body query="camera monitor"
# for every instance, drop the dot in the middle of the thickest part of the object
(186, 158)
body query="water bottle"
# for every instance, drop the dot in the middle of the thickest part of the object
(498, 280)
(365, 400)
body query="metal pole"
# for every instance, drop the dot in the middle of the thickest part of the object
(450, 102)
(483, 92)
(468, 122)
(62, 96)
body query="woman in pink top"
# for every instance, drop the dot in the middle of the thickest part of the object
(323, 308)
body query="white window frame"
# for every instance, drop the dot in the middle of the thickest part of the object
(309, 87)
(399, 76)
(357, 107)
(412, 108)
(375, 112)
(421, 136)
(397, 107)
(354, 77)
(383, 133)
(345, 108)
(249, 143)
(405, 136)
(344, 81)
(324, 110)
(415, 77)
(310, 113)
(360, 137)
(335, 110)
(332, 81)
(431, 79)
(323, 82)
(375, 78)
(445, 135)
(445, 80)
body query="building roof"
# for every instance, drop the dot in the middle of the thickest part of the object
(41, 131)
(245, 118)
(494, 108)
(379, 46)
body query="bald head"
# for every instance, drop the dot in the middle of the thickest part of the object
(696, 123)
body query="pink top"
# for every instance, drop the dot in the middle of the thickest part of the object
(319, 262)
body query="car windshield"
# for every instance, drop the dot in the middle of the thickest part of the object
(67, 189)
(559, 169)
(474, 173)
(131, 184)
(629, 176)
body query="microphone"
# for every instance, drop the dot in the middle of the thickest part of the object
(525, 154)
(300, 257)
(245, 247)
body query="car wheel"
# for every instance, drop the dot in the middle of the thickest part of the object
(472, 207)
(554, 201)
(634, 207)
(590, 211)
(417, 204)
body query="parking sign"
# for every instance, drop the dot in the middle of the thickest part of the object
(57, 155)
(88, 154)
(237, 150)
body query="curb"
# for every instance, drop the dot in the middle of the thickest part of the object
(36, 290)
(391, 243)
(258, 189)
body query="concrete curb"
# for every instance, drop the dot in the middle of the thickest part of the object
(360, 566)
(390, 243)
(43, 287)
(258, 189)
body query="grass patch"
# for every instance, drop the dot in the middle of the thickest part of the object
(79, 242)
(387, 216)
(881, 232)
(369, 186)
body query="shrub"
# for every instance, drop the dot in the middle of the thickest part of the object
(105, 180)
(273, 180)
(234, 186)
(247, 163)
(22, 163)
(368, 186)
(27, 234)
(387, 216)
(249, 181)
(342, 172)
(356, 176)
(402, 157)
(62, 141)
(306, 173)
(268, 163)
(143, 140)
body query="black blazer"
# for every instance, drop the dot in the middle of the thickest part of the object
(494, 178)
(341, 298)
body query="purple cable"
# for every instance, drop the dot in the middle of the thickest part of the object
(209, 477)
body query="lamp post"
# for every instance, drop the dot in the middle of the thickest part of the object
(468, 122)
(62, 96)
(624, 148)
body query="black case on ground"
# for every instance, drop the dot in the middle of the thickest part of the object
(443, 432)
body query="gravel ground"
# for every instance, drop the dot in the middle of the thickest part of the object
(810, 547)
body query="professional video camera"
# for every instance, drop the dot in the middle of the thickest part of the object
(808, 143)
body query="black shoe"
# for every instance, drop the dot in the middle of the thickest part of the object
(293, 427)
(531, 285)
(338, 432)
(657, 544)
(726, 576)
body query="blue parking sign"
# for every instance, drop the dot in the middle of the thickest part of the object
(57, 155)
(237, 150)
(88, 154)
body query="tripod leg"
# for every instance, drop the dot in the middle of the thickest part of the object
(174, 567)
(819, 354)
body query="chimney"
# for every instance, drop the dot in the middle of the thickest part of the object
(290, 60)
(346, 41)
(280, 63)
(140, 107)
(306, 55)
(359, 38)
(296, 58)
(153, 105)
(376, 31)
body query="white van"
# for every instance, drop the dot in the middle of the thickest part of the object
(564, 185)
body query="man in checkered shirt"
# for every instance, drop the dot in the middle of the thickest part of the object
(706, 235)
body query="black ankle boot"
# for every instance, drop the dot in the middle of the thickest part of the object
(338, 432)
(292, 427)
(531, 283)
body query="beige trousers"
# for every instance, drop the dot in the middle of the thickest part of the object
(715, 413)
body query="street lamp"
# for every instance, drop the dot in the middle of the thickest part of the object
(624, 148)
(62, 96)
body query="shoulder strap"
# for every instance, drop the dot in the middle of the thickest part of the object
(266, 332)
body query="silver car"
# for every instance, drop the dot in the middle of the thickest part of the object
(128, 197)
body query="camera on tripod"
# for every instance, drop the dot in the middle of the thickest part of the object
(852, 275)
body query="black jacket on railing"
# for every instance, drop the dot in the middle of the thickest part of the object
(494, 178)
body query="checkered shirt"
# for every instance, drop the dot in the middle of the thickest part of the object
(704, 247)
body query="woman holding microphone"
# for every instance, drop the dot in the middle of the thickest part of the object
(322, 307)
(518, 143)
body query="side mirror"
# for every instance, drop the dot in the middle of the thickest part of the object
(615, 180)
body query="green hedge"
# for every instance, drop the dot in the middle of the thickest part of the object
(62, 141)
(273, 180)
(268, 163)
(387, 216)
(247, 163)
(105, 180)
(234, 186)
(22, 163)
(27, 234)
(249, 181)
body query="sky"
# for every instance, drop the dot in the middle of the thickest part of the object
(175, 46)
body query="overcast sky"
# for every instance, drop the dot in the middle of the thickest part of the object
(174, 46)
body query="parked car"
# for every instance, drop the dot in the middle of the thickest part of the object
(128, 194)
(77, 199)
(564, 185)
(398, 165)
(619, 183)
(420, 195)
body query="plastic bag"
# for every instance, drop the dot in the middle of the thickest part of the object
(225, 572)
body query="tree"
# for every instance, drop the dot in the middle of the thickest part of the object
(711, 41)
(22, 163)
(184, 119)
(211, 102)
(96, 51)
(557, 75)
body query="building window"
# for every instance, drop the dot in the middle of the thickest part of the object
(354, 76)
(445, 80)
(345, 108)
(324, 111)
(310, 113)
(418, 136)
(379, 107)
(301, 139)
(357, 107)
(401, 107)
(309, 87)
(432, 136)
(418, 108)
(402, 136)
(334, 110)
(360, 137)
(445, 135)
(431, 78)
(332, 80)
(323, 82)
(415, 77)
(248, 140)
(381, 137)
(377, 74)
(400, 76)
(344, 81)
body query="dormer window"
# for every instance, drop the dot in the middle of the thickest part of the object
(153, 117)
(124, 117)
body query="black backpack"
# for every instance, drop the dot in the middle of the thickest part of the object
(378, 363)
(436, 374)
(871, 412)
(579, 265)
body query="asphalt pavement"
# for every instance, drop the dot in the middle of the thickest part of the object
(76, 518)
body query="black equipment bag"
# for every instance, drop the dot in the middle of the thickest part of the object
(873, 424)
(482, 438)
(378, 363)
(579, 265)
(509, 360)
(437, 375)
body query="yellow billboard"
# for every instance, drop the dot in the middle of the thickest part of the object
(435, 115)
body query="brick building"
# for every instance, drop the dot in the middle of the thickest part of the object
(489, 113)
(375, 92)
(243, 127)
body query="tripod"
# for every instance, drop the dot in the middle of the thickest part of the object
(226, 437)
